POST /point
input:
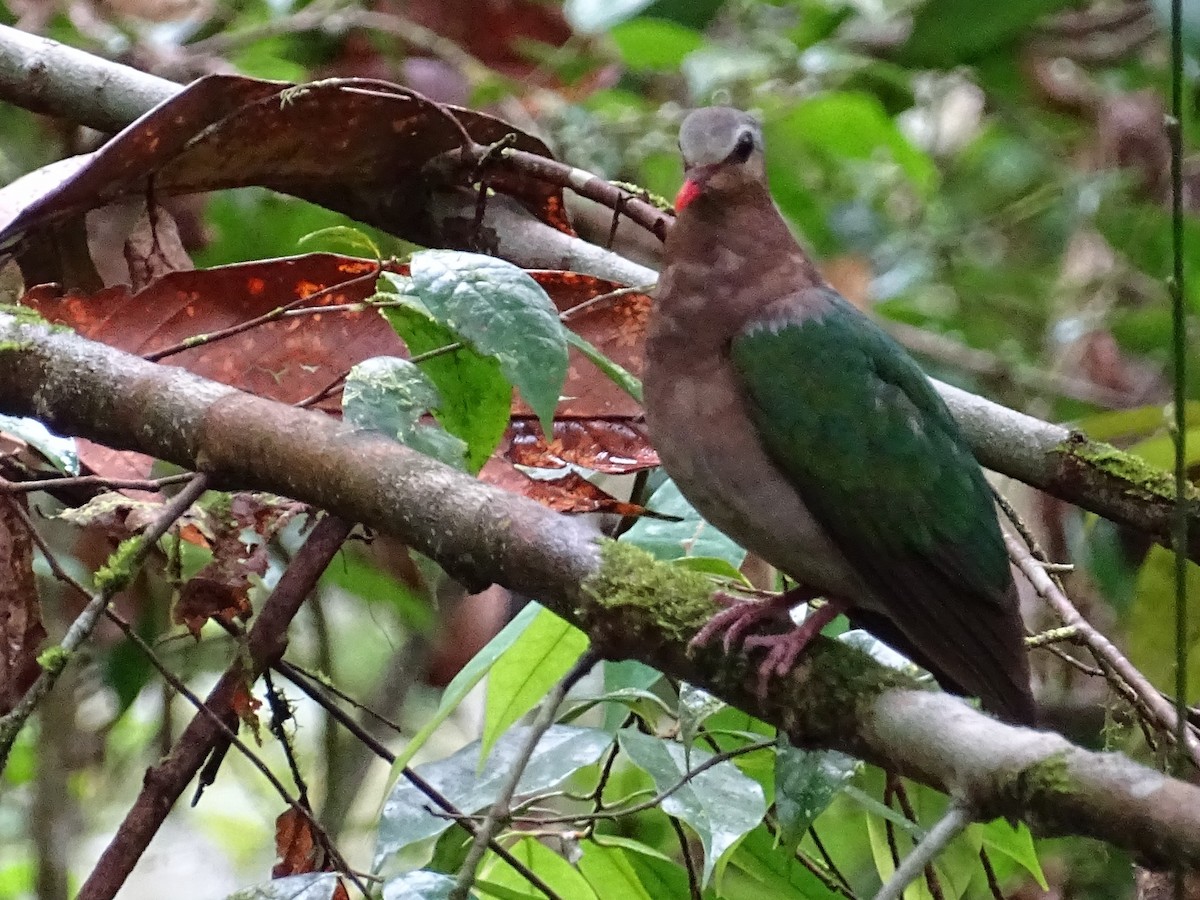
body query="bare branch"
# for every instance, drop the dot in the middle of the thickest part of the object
(630, 607)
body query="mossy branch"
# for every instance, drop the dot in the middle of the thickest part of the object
(630, 605)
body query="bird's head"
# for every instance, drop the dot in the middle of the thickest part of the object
(722, 152)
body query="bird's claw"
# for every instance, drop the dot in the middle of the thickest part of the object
(738, 617)
(783, 649)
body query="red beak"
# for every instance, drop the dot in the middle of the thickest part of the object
(689, 192)
(695, 179)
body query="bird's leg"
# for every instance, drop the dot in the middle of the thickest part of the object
(783, 649)
(740, 614)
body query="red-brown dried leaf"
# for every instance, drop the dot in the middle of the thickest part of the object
(21, 631)
(612, 447)
(616, 327)
(221, 589)
(245, 706)
(297, 847)
(219, 592)
(124, 464)
(293, 358)
(360, 150)
(286, 360)
(570, 493)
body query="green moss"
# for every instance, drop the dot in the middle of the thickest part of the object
(14, 345)
(53, 659)
(1153, 482)
(1038, 784)
(652, 610)
(656, 200)
(630, 579)
(24, 315)
(117, 571)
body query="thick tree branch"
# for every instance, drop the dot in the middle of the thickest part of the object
(48, 77)
(1050, 457)
(630, 607)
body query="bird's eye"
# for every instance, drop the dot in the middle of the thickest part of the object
(744, 147)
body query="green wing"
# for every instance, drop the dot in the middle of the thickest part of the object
(857, 428)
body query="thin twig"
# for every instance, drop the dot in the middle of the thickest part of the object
(945, 830)
(688, 863)
(829, 863)
(990, 874)
(613, 812)
(1149, 697)
(82, 481)
(897, 786)
(499, 810)
(278, 312)
(315, 689)
(177, 685)
(81, 629)
(1179, 353)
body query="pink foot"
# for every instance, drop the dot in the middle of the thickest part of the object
(740, 615)
(784, 649)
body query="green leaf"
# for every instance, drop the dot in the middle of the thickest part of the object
(497, 308)
(662, 878)
(527, 670)
(955, 866)
(559, 874)
(610, 873)
(561, 752)
(1142, 231)
(689, 536)
(353, 239)
(720, 804)
(710, 565)
(631, 698)
(420, 885)
(947, 33)
(475, 397)
(625, 674)
(845, 125)
(806, 781)
(1016, 843)
(466, 679)
(777, 874)
(390, 395)
(313, 886)
(647, 44)
(495, 891)
(1123, 424)
(634, 846)
(695, 705)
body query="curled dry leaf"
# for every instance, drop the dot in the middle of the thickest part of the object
(359, 147)
(221, 589)
(615, 447)
(245, 706)
(297, 847)
(568, 493)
